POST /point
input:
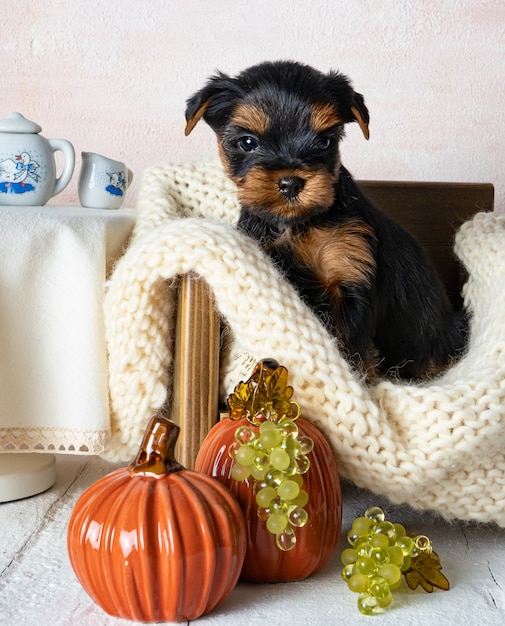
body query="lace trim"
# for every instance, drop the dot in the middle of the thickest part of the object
(61, 440)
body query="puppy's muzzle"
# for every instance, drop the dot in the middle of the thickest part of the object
(290, 186)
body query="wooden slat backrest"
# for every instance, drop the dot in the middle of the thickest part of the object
(432, 212)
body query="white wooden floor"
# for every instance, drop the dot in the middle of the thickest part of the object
(38, 587)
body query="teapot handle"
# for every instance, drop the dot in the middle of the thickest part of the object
(67, 149)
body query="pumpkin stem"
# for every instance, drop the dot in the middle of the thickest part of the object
(156, 454)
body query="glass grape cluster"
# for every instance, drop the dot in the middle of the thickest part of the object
(275, 457)
(381, 552)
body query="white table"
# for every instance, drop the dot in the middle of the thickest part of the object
(53, 359)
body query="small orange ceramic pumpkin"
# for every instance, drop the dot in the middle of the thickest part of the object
(154, 541)
(315, 540)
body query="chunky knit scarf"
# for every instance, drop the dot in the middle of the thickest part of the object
(437, 445)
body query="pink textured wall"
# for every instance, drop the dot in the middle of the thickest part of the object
(112, 77)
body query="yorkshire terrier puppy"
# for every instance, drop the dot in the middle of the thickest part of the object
(279, 125)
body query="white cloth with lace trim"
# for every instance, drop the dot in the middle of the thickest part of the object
(53, 358)
(436, 445)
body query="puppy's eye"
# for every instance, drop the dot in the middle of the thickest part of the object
(323, 142)
(248, 143)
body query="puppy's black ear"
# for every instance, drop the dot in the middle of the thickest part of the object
(349, 103)
(213, 102)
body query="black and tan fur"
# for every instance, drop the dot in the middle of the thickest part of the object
(279, 126)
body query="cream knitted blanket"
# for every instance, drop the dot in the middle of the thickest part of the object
(438, 445)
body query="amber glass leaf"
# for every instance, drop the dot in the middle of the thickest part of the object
(265, 395)
(425, 571)
(240, 401)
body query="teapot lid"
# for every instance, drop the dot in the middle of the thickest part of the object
(16, 123)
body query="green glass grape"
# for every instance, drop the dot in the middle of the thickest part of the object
(390, 572)
(379, 541)
(261, 460)
(348, 556)
(244, 434)
(306, 444)
(267, 425)
(301, 499)
(240, 472)
(395, 555)
(264, 428)
(347, 572)
(406, 544)
(270, 438)
(292, 468)
(362, 546)
(292, 447)
(259, 447)
(379, 587)
(383, 603)
(394, 586)
(279, 459)
(277, 523)
(367, 603)
(286, 540)
(298, 517)
(358, 583)
(258, 473)
(415, 550)
(361, 526)
(265, 496)
(387, 529)
(352, 537)
(288, 490)
(407, 562)
(298, 479)
(288, 428)
(380, 556)
(233, 449)
(245, 455)
(279, 505)
(375, 513)
(274, 478)
(303, 463)
(400, 530)
(365, 565)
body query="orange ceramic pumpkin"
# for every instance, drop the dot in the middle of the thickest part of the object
(317, 540)
(154, 541)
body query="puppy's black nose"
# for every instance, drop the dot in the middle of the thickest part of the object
(290, 186)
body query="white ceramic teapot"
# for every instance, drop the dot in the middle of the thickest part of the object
(27, 164)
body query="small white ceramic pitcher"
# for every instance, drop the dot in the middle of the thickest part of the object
(102, 181)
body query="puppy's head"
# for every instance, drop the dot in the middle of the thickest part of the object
(278, 127)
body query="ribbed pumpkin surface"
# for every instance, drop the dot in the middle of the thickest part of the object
(316, 541)
(157, 548)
